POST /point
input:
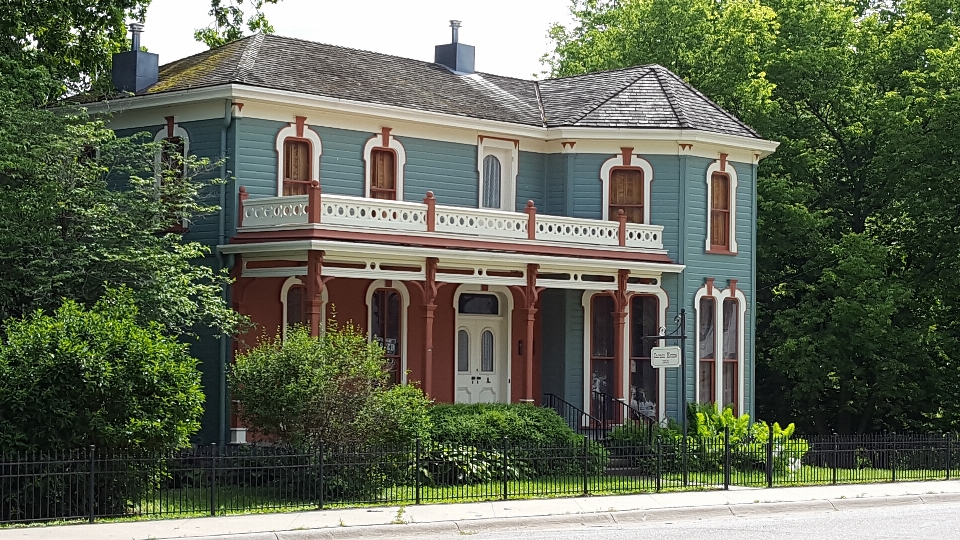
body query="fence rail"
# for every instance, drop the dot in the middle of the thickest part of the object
(93, 483)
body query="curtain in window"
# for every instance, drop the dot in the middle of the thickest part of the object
(296, 305)
(385, 328)
(626, 193)
(720, 210)
(296, 167)
(707, 328)
(644, 379)
(731, 322)
(491, 182)
(601, 333)
(383, 174)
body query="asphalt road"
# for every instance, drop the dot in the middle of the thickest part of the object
(900, 522)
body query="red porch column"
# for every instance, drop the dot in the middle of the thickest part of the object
(621, 299)
(429, 307)
(530, 294)
(315, 286)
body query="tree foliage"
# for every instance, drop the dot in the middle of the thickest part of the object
(330, 388)
(229, 21)
(858, 247)
(82, 211)
(78, 377)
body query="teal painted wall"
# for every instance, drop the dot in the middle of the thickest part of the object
(530, 184)
(555, 180)
(447, 169)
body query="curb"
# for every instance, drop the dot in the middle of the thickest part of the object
(599, 519)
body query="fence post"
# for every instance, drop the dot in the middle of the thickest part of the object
(586, 466)
(685, 466)
(893, 459)
(949, 438)
(213, 480)
(321, 476)
(91, 489)
(659, 463)
(836, 455)
(726, 458)
(416, 468)
(770, 456)
(506, 472)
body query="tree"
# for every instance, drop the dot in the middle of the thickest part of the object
(81, 377)
(330, 388)
(228, 22)
(857, 297)
(82, 211)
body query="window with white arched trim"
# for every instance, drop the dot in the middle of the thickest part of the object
(625, 183)
(644, 378)
(295, 304)
(721, 208)
(175, 146)
(387, 303)
(386, 159)
(721, 315)
(497, 165)
(298, 158)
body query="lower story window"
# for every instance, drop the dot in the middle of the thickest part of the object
(731, 351)
(385, 329)
(706, 338)
(601, 355)
(644, 379)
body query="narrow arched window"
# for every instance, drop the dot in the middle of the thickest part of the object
(626, 193)
(720, 211)
(486, 351)
(492, 179)
(385, 328)
(463, 351)
(731, 351)
(706, 337)
(296, 167)
(383, 174)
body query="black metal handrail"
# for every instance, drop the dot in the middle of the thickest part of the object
(580, 421)
(616, 412)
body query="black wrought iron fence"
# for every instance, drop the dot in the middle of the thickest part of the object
(93, 483)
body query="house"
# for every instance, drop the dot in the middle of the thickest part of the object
(503, 239)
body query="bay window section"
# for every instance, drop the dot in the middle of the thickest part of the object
(644, 378)
(601, 354)
(385, 329)
(731, 352)
(706, 355)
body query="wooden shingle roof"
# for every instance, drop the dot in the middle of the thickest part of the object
(637, 97)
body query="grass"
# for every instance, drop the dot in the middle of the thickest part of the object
(195, 502)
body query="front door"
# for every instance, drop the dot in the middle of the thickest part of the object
(480, 360)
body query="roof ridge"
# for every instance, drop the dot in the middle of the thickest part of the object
(543, 112)
(671, 99)
(589, 73)
(611, 96)
(206, 52)
(249, 57)
(723, 111)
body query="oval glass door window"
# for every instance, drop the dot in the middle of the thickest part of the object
(463, 351)
(486, 351)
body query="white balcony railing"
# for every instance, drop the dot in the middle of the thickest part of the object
(429, 218)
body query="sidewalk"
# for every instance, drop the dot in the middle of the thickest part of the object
(467, 518)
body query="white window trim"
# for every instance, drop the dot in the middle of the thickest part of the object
(401, 163)
(506, 315)
(404, 308)
(291, 132)
(615, 162)
(663, 301)
(163, 135)
(284, 290)
(508, 189)
(718, 296)
(727, 168)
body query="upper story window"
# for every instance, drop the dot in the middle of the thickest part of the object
(492, 180)
(174, 146)
(625, 183)
(298, 152)
(385, 158)
(498, 168)
(296, 166)
(626, 193)
(721, 207)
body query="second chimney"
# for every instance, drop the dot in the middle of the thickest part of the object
(134, 70)
(455, 56)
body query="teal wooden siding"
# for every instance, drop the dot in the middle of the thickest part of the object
(587, 192)
(447, 169)
(553, 351)
(573, 343)
(530, 184)
(555, 181)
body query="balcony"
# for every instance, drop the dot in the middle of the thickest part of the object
(428, 219)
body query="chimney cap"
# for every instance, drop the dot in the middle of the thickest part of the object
(454, 29)
(136, 27)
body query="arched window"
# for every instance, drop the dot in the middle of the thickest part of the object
(626, 193)
(720, 211)
(492, 180)
(297, 161)
(644, 378)
(707, 345)
(486, 351)
(602, 351)
(731, 352)
(295, 305)
(463, 351)
(386, 328)
(383, 174)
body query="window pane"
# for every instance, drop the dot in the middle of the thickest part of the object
(491, 182)
(296, 167)
(707, 328)
(731, 337)
(601, 326)
(706, 381)
(486, 351)
(644, 386)
(643, 322)
(729, 383)
(644, 378)
(296, 299)
(720, 191)
(601, 380)
(626, 193)
(479, 304)
(383, 174)
(385, 320)
(719, 228)
(720, 210)
(463, 351)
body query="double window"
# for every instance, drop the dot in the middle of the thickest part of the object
(720, 317)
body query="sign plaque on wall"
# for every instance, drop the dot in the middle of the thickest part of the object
(665, 357)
